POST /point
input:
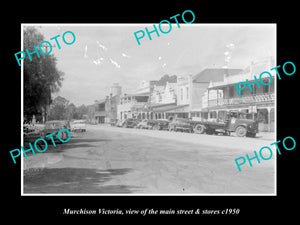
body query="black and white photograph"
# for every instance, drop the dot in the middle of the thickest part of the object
(149, 109)
(115, 112)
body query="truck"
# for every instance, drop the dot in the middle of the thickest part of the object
(233, 121)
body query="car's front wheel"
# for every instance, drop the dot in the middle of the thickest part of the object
(199, 129)
(241, 131)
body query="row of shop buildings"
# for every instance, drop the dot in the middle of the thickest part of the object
(208, 94)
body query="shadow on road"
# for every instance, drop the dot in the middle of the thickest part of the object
(80, 139)
(74, 180)
(73, 143)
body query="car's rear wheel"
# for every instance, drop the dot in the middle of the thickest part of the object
(199, 129)
(241, 131)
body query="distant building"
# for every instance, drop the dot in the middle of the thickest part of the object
(100, 113)
(115, 90)
(164, 94)
(106, 109)
(132, 105)
(190, 90)
(149, 95)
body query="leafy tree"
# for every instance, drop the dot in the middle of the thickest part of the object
(81, 111)
(70, 112)
(58, 108)
(41, 77)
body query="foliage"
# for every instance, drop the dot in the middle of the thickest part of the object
(62, 109)
(41, 77)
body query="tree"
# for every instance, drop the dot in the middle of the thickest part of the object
(41, 77)
(58, 108)
(166, 78)
(81, 111)
(70, 112)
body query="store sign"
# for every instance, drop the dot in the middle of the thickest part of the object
(253, 109)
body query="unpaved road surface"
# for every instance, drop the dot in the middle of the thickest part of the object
(110, 160)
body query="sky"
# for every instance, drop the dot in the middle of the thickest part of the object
(104, 54)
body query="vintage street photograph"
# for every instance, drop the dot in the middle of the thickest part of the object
(168, 114)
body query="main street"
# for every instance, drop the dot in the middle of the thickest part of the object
(111, 160)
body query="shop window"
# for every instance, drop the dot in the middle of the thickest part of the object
(231, 92)
(213, 114)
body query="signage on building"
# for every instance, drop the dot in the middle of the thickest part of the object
(252, 109)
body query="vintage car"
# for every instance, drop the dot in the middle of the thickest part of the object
(27, 128)
(160, 124)
(54, 126)
(234, 122)
(144, 124)
(78, 125)
(113, 122)
(119, 123)
(130, 123)
(180, 124)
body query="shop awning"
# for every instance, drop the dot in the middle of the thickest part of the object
(179, 109)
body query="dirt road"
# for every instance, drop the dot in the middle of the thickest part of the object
(108, 160)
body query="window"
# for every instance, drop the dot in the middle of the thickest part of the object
(181, 94)
(231, 91)
(265, 88)
(187, 92)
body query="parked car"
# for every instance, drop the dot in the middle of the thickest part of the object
(130, 123)
(113, 122)
(160, 124)
(78, 125)
(234, 122)
(119, 123)
(54, 126)
(27, 128)
(144, 124)
(180, 124)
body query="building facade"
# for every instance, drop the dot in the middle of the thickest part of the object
(190, 90)
(149, 99)
(131, 106)
(259, 104)
(106, 110)
(100, 113)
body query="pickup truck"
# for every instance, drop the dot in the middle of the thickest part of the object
(234, 122)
